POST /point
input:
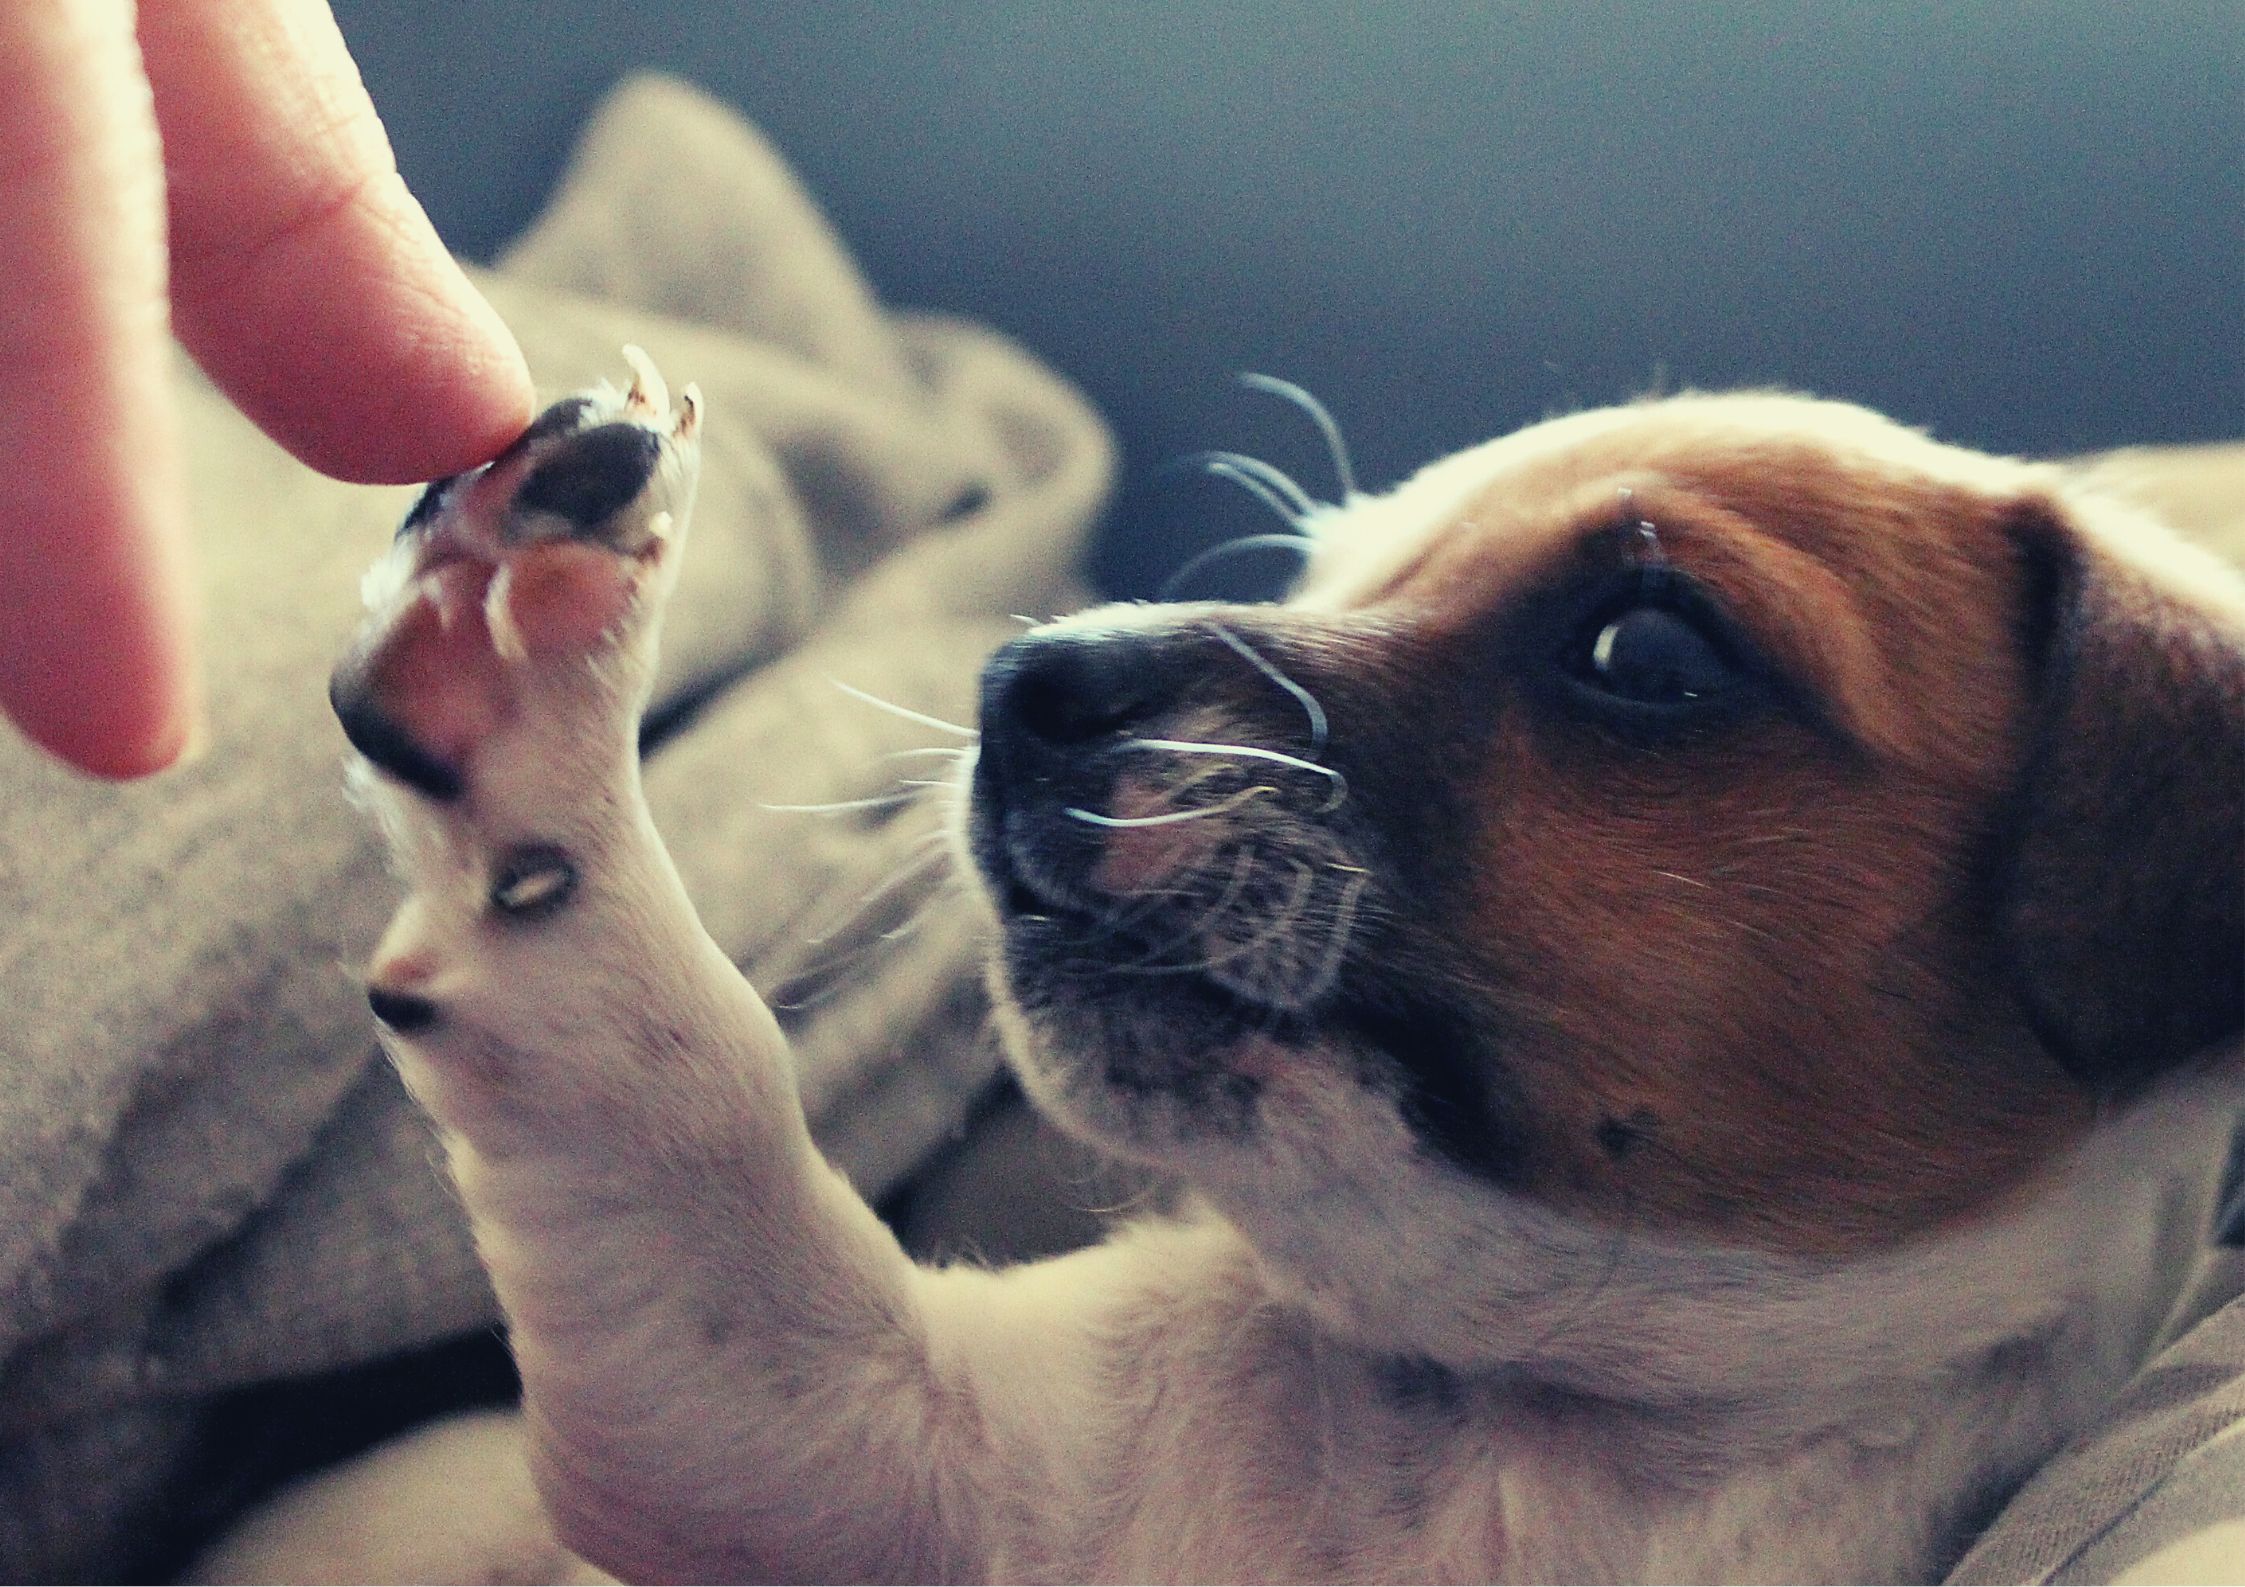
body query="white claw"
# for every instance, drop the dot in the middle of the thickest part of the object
(647, 388)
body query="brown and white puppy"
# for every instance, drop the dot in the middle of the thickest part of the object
(1695, 967)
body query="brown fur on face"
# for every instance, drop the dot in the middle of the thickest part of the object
(1802, 974)
(1758, 966)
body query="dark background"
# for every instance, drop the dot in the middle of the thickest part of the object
(2020, 224)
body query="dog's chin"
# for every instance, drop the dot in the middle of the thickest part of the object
(1146, 1040)
(1156, 1064)
(1279, 1123)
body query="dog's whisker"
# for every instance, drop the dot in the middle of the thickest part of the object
(835, 807)
(1302, 696)
(1277, 757)
(1151, 903)
(1298, 544)
(1155, 953)
(1175, 792)
(1111, 922)
(826, 975)
(1273, 485)
(1234, 886)
(905, 711)
(1147, 903)
(1108, 1209)
(914, 868)
(1254, 486)
(1172, 817)
(1338, 929)
(834, 959)
(1320, 416)
(1200, 775)
(1289, 915)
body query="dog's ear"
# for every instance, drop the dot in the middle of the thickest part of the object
(2124, 902)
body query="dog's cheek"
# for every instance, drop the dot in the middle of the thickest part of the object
(1722, 1006)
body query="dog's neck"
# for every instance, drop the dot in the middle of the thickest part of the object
(2067, 1284)
(1679, 1412)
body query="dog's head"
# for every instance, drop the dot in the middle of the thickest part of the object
(1718, 824)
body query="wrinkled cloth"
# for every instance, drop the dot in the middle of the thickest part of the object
(2165, 1465)
(208, 1177)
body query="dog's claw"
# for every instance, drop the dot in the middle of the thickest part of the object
(648, 392)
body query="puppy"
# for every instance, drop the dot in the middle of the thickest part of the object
(1694, 966)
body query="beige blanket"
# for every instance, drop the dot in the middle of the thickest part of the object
(207, 1178)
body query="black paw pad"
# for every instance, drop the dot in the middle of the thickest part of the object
(384, 743)
(401, 1011)
(429, 503)
(592, 475)
(559, 419)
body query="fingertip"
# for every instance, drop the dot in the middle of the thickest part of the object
(450, 397)
(100, 670)
(455, 390)
(305, 277)
(412, 377)
(137, 735)
(474, 408)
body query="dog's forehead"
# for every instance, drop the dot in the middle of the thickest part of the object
(1869, 498)
(1870, 563)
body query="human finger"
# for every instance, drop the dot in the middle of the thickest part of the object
(94, 613)
(305, 278)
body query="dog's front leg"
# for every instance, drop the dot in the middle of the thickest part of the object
(726, 1372)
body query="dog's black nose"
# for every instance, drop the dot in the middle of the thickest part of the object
(1060, 692)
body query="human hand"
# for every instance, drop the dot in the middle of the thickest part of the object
(302, 276)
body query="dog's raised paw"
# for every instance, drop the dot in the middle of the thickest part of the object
(505, 580)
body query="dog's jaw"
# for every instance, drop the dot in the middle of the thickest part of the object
(1399, 1251)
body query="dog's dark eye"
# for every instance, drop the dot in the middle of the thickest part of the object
(1654, 655)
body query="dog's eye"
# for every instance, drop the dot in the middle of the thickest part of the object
(1654, 655)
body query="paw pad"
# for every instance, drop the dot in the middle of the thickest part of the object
(559, 548)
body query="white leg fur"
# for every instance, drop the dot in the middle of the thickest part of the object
(621, 1119)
